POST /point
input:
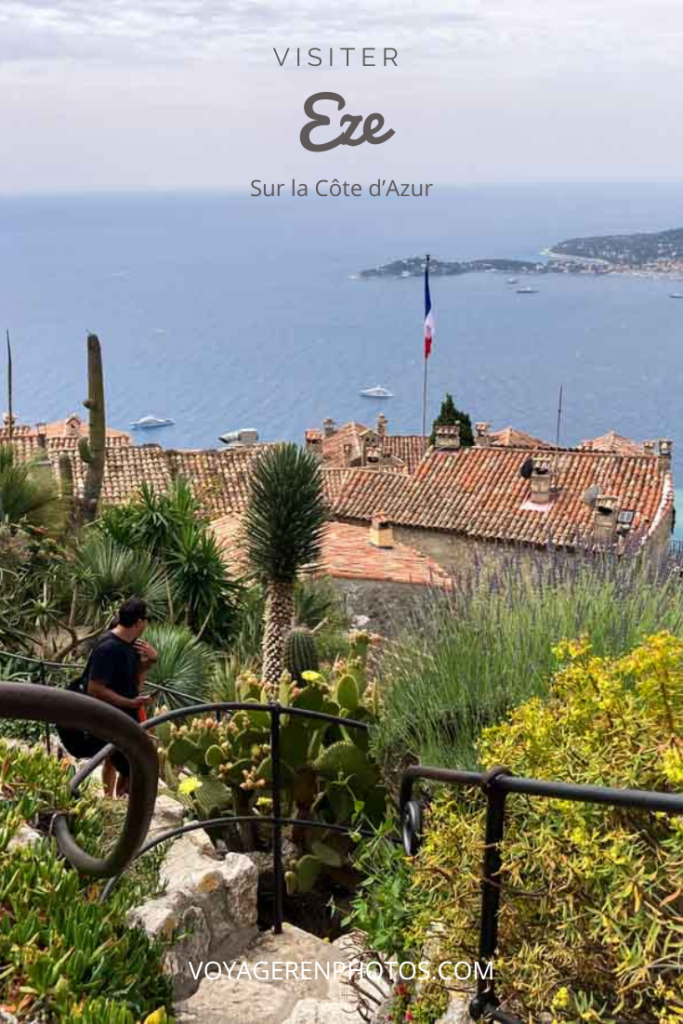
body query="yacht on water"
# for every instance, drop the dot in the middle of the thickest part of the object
(376, 392)
(676, 295)
(150, 422)
(513, 280)
(527, 291)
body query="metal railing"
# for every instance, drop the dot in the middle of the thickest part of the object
(41, 677)
(276, 711)
(75, 711)
(495, 785)
(26, 702)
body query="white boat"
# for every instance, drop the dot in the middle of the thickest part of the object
(513, 280)
(527, 291)
(376, 392)
(150, 422)
(676, 295)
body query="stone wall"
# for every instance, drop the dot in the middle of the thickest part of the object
(388, 606)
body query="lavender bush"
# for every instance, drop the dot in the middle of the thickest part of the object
(467, 657)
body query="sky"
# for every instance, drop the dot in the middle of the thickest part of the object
(118, 95)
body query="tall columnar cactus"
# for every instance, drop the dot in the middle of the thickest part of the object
(66, 482)
(300, 653)
(93, 448)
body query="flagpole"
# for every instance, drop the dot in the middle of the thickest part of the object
(424, 382)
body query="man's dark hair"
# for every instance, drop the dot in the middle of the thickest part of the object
(131, 611)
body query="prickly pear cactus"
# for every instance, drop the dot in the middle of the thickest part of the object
(301, 654)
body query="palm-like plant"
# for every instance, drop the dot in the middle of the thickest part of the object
(185, 666)
(106, 574)
(284, 523)
(28, 493)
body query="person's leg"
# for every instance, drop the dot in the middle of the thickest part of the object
(108, 778)
(122, 785)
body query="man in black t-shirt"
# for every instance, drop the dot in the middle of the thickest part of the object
(118, 668)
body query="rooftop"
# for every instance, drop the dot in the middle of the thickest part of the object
(346, 554)
(479, 492)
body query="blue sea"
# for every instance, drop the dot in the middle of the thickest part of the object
(225, 310)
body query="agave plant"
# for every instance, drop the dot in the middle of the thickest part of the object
(284, 523)
(185, 667)
(28, 493)
(107, 574)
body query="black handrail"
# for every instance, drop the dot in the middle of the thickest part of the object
(41, 661)
(276, 710)
(496, 783)
(74, 711)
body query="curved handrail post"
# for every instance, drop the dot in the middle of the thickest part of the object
(75, 711)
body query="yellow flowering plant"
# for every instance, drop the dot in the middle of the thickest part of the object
(591, 924)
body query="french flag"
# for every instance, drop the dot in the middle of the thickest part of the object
(429, 315)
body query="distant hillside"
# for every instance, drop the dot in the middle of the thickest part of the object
(626, 250)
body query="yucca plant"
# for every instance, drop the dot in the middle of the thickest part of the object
(28, 493)
(185, 666)
(284, 523)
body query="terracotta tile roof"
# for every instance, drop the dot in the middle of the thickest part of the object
(219, 477)
(126, 468)
(62, 430)
(333, 480)
(398, 453)
(479, 492)
(408, 448)
(346, 554)
(510, 437)
(350, 434)
(612, 442)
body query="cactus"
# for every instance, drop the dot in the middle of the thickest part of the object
(212, 795)
(348, 760)
(348, 696)
(182, 751)
(300, 653)
(307, 871)
(326, 771)
(66, 481)
(92, 449)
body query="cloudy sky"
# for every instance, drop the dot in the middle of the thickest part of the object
(163, 94)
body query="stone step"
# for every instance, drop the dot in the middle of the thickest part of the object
(257, 990)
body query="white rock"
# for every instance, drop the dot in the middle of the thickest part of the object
(210, 902)
(24, 836)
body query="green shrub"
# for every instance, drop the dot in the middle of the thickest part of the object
(592, 903)
(468, 657)
(64, 955)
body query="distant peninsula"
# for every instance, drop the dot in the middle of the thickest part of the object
(659, 252)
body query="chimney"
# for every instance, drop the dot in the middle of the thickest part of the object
(540, 480)
(665, 447)
(447, 437)
(347, 453)
(649, 447)
(605, 522)
(482, 437)
(381, 425)
(41, 429)
(314, 442)
(72, 426)
(381, 533)
(329, 427)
